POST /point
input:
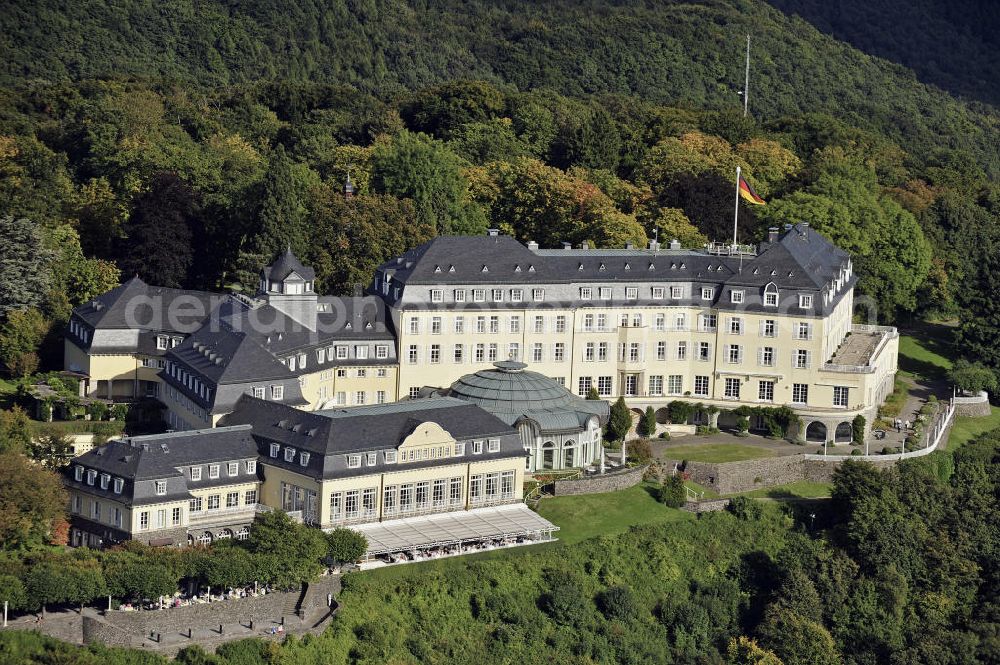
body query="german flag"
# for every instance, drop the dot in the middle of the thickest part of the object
(750, 196)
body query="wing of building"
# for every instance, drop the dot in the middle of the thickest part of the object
(328, 468)
(721, 327)
(726, 326)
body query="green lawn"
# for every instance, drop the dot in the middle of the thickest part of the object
(926, 355)
(803, 489)
(591, 515)
(966, 429)
(716, 452)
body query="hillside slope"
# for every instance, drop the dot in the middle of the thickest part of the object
(676, 52)
(954, 44)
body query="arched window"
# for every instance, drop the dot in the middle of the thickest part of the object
(569, 454)
(205, 538)
(548, 455)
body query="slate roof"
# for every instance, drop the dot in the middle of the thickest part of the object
(801, 258)
(159, 457)
(112, 309)
(512, 394)
(361, 428)
(247, 343)
(330, 435)
(285, 265)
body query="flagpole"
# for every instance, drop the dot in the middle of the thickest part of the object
(736, 213)
(746, 82)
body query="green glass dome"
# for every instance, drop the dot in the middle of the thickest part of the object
(510, 392)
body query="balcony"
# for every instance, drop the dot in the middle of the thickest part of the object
(859, 350)
(224, 515)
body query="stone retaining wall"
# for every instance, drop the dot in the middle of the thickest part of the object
(748, 475)
(706, 506)
(976, 407)
(600, 483)
(178, 619)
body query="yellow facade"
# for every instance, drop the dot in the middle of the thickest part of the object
(652, 355)
(401, 491)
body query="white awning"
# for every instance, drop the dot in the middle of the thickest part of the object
(442, 529)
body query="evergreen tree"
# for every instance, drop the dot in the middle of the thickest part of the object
(281, 217)
(620, 422)
(647, 423)
(24, 264)
(158, 245)
(592, 393)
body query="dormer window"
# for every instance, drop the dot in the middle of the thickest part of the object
(162, 342)
(494, 445)
(477, 447)
(289, 454)
(233, 468)
(161, 487)
(353, 461)
(91, 476)
(251, 466)
(104, 480)
(771, 295)
(195, 473)
(117, 485)
(390, 456)
(213, 471)
(736, 296)
(304, 458)
(277, 392)
(275, 448)
(805, 301)
(78, 474)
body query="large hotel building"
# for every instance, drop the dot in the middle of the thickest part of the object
(768, 325)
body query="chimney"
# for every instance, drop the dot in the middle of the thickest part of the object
(654, 245)
(629, 245)
(532, 245)
(493, 233)
(348, 187)
(788, 227)
(567, 245)
(772, 234)
(675, 244)
(584, 245)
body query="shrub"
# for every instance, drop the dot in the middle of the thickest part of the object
(745, 508)
(855, 452)
(665, 436)
(679, 411)
(618, 602)
(565, 600)
(972, 377)
(858, 429)
(639, 451)
(672, 492)
(98, 411)
(743, 426)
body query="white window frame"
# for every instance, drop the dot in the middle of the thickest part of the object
(737, 296)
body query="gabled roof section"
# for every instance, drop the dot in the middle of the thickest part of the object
(160, 455)
(362, 428)
(286, 264)
(135, 304)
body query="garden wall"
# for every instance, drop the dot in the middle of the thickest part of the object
(748, 475)
(598, 484)
(977, 406)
